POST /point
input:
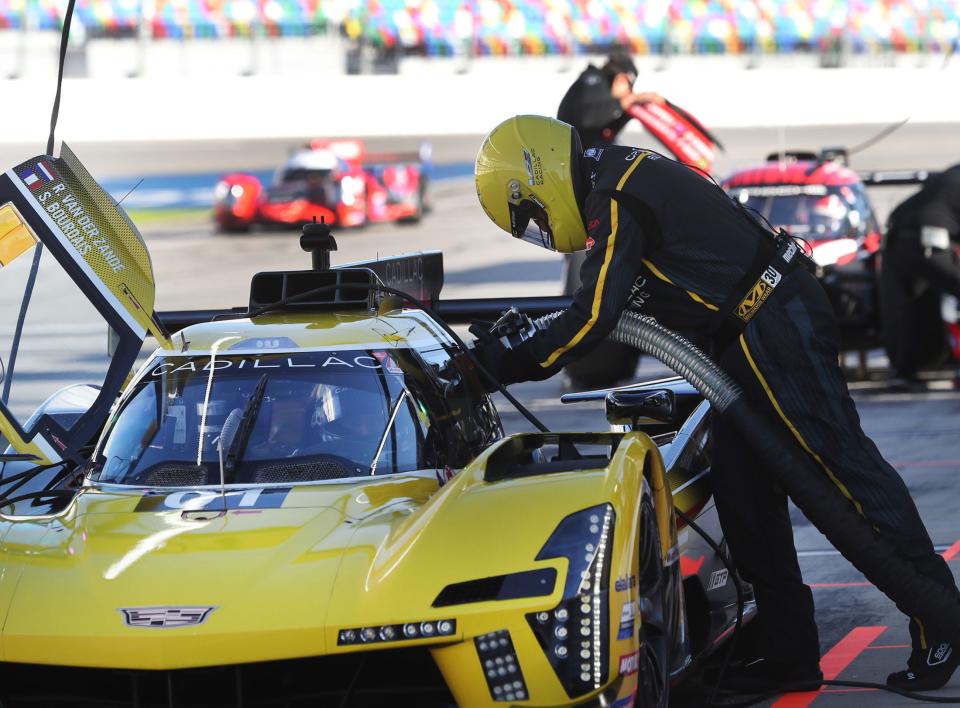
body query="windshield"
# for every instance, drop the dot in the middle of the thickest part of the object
(812, 211)
(319, 186)
(277, 418)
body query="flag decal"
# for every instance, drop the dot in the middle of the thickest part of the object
(40, 174)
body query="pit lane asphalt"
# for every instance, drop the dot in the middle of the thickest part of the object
(917, 432)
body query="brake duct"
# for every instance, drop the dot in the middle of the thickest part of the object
(916, 595)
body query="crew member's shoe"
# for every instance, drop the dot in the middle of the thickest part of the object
(927, 669)
(763, 675)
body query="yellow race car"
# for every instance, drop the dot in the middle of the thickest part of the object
(313, 503)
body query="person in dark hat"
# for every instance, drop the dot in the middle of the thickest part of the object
(597, 102)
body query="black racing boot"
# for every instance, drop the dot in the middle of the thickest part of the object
(927, 668)
(763, 675)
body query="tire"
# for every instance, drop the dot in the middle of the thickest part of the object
(653, 680)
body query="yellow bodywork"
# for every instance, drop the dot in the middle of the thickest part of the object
(339, 554)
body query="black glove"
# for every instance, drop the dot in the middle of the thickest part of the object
(506, 364)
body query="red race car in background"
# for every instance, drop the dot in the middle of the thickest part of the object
(818, 198)
(328, 180)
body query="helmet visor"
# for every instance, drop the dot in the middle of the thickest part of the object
(529, 222)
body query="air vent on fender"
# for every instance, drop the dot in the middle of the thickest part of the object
(267, 289)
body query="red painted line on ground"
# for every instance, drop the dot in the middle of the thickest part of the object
(833, 663)
(889, 646)
(858, 584)
(952, 552)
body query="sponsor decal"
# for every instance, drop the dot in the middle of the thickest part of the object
(331, 360)
(635, 154)
(758, 294)
(790, 252)
(534, 167)
(165, 617)
(39, 175)
(630, 663)
(590, 243)
(202, 499)
(939, 655)
(627, 615)
(624, 584)
(593, 224)
(595, 153)
(718, 579)
(638, 296)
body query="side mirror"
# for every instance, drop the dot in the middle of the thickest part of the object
(636, 407)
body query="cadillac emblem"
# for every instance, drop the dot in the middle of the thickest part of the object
(165, 617)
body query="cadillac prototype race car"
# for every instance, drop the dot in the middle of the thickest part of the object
(333, 181)
(311, 501)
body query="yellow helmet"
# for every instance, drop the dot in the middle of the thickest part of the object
(528, 181)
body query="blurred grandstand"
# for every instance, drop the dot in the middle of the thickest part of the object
(526, 27)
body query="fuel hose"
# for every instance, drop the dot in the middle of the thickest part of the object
(915, 594)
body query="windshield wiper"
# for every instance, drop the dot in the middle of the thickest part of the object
(244, 426)
(386, 431)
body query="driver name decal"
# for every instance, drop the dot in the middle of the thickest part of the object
(81, 231)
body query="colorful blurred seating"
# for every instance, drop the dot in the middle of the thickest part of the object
(520, 27)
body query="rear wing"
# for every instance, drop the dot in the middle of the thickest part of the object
(895, 178)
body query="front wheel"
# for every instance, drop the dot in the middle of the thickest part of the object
(653, 682)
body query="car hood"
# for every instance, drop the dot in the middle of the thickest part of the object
(263, 569)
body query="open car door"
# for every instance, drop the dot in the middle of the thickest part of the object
(70, 262)
(680, 133)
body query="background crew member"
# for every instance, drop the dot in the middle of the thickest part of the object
(662, 239)
(597, 101)
(920, 264)
(595, 105)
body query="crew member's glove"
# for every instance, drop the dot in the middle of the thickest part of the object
(506, 362)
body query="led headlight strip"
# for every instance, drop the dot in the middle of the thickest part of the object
(375, 634)
(501, 666)
(574, 634)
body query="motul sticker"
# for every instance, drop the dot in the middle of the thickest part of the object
(630, 663)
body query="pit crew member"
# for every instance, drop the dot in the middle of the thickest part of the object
(919, 265)
(661, 239)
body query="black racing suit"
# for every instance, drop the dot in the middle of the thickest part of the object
(590, 108)
(675, 246)
(919, 264)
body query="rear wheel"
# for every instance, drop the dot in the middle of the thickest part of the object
(653, 687)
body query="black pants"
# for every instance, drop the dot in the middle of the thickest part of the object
(787, 364)
(911, 284)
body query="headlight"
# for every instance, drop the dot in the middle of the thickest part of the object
(396, 632)
(574, 634)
